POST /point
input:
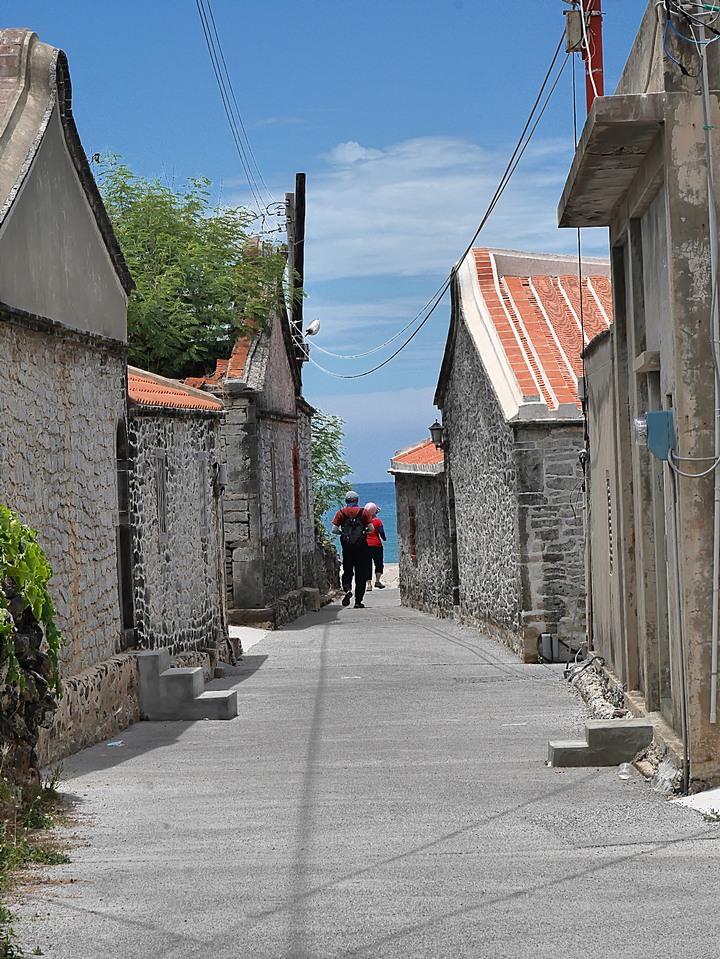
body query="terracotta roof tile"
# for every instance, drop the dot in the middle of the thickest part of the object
(537, 320)
(420, 454)
(149, 390)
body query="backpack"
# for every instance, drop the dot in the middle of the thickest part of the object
(353, 531)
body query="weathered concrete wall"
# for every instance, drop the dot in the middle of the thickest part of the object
(179, 590)
(550, 512)
(424, 551)
(481, 462)
(53, 261)
(61, 398)
(662, 358)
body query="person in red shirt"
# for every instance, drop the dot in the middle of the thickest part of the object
(352, 523)
(375, 539)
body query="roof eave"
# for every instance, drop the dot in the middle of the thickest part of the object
(617, 136)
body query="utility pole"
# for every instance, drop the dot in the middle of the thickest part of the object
(583, 34)
(295, 219)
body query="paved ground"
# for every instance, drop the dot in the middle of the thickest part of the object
(383, 794)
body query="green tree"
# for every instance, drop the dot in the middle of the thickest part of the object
(201, 280)
(330, 472)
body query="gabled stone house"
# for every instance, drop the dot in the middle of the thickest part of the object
(64, 288)
(641, 170)
(275, 565)
(513, 431)
(123, 490)
(426, 577)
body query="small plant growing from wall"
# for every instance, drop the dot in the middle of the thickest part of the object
(29, 645)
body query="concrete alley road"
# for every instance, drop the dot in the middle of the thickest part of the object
(382, 794)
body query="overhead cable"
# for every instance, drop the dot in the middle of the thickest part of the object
(517, 154)
(212, 41)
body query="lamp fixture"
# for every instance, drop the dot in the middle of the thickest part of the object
(437, 435)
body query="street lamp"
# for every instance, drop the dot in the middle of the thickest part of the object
(437, 435)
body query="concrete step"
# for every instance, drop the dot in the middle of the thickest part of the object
(622, 738)
(168, 694)
(214, 704)
(608, 742)
(568, 753)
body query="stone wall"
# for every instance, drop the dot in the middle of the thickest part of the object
(481, 461)
(550, 510)
(62, 395)
(424, 551)
(95, 704)
(177, 569)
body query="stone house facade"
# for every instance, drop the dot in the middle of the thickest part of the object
(641, 170)
(80, 445)
(513, 431)
(63, 303)
(424, 544)
(275, 565)
(175, 513)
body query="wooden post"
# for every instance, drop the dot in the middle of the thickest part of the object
(593, 53)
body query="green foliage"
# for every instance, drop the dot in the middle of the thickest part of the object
(201, 281)
(24, 567)
(330, 472)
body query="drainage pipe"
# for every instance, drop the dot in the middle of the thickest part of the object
(714, 340)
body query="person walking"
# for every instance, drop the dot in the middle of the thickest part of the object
(351, 524)
(375, 539)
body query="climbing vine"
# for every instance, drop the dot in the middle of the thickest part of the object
(24, 574)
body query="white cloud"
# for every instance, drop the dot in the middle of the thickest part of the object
(411, 208)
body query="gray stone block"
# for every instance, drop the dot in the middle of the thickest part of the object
(178, 694)
(568, 753)
(608, 742)
(623, 738)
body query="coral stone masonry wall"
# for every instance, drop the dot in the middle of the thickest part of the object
(62, 395)
(550, 509)
(177, 541)
(482, 466)
(426, 580)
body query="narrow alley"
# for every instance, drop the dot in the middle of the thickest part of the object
(383, 793)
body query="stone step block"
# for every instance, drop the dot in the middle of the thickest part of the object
(168, 694)
(181, 683)
(621, 739)
(608, 742)
(568, 753)
(213, 704)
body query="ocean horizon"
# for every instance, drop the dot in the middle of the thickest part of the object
(383, 495)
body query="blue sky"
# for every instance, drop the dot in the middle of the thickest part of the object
(402, 114)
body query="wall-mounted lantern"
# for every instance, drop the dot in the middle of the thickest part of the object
(437, 435)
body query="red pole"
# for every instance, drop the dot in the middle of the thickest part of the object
(592, 54)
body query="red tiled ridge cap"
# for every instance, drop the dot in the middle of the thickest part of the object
(149, 389)
(421, 454)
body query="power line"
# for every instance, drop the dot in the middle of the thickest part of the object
(213, 46)
(517, 154)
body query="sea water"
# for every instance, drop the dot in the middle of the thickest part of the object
(383, 495)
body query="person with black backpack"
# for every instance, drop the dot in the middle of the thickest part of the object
(351, 523)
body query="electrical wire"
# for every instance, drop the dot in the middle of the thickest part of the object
(234, 99)
(586, 43)
(517, 154)
(676, 469)
(212, 48)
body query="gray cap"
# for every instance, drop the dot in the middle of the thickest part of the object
(351, 496)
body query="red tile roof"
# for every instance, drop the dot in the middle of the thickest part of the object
(422, 457)
(150, 390)
(230, 369)
(542, 321)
